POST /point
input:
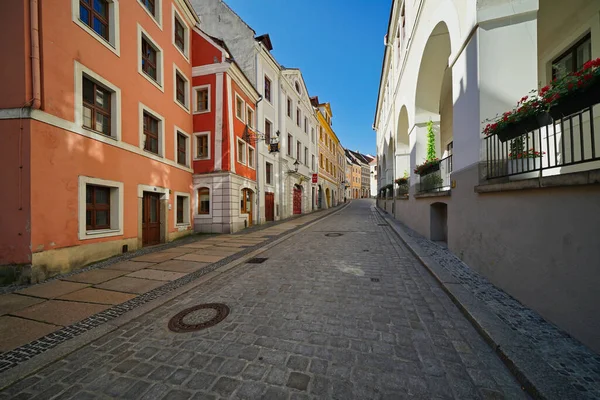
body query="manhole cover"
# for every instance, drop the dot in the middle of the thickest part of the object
(334, 234)
(256, 260)
(374, 279)
(198, 317)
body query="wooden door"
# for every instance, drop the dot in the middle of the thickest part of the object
(270, 206)
(297, 201)
(150, 219)
(246, 204)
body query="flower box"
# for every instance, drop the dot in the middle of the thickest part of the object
(434, 167)
(577, 101)
(524, 126)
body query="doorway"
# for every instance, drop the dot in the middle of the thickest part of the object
(439, 222)
(270, 206)
(297, 200)
(150, 219)
(246, 204)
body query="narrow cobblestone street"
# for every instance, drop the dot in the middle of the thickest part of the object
(346, 316)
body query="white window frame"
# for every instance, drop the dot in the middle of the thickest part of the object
(290, 108)
(312, 134)
(250, 160)
(187, 146)
(186, 205)
(158, 19)
(186, 106)
(244, 153)
(195, 155)
(306, 156)
(298, 116)
(196, 89)
(243, 119)
(186, 32)
(306, 125)
(271, 177)
(160, 82)
(161, 130)
(250, 122)
(115, 102)
(116, 208)
(290, 145)
(114, 41)
(266, 76)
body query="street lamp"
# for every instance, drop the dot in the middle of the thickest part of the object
(296, 165)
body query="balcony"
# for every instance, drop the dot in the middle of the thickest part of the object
(569, 144)
(437, 180)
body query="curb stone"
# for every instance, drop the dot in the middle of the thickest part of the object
(537, 377)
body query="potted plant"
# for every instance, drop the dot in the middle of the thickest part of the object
(432, 163)
(530, 114)
(403, 185)
(524, 162)
(573, 92)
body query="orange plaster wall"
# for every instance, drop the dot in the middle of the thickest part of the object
(15, 213)
(15, 75)
(58, 157)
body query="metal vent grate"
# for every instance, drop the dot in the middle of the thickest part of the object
(256, 260)
(374, 279)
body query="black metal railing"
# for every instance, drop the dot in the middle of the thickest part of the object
(438, 180)
(567, 141)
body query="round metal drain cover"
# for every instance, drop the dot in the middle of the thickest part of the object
(198, 317)
(334, 234)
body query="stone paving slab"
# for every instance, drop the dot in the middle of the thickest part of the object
(18, 331)
(180, 266)
(14, 302)
(95, 276)
(53, 289)
(130, 285)
(200, 258)
(99, 296)
(178, 250)
(131, 265)
(156, 257)
(59, 312)
(199, 245)
(156, 275)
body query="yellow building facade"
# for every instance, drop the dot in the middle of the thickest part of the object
(331, 173)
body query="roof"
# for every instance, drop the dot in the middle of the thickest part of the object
(360, 157)
(266, 40)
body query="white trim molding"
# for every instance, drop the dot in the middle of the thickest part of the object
(210, 69)
(196, 136)
(161, 129)
(195, 90)
(160, 78)
(188, 146)
(250, 161)
(243, 108)
(186, 206)
(186, 32)
(115, 101)
(195, 213)
(114, 41)
(186, 106)
(116, 208)
(244, 153)
(158, 18)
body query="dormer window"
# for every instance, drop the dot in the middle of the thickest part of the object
(298, 88)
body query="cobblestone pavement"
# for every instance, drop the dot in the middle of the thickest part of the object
(565, 354)
(329, 317)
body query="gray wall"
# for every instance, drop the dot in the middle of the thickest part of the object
(220, 21)
(542, 246)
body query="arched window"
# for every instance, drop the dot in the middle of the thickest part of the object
(204, 200)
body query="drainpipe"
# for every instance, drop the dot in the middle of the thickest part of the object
(35, 55)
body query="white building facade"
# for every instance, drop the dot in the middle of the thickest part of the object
(452, 64)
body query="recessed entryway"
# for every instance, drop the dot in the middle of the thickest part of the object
(439, 222)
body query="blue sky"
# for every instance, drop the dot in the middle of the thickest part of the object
(338, 45)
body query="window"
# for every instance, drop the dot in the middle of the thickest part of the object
(321, 160)
(250, 157)
(179, 32)
(306, 156)
(305, 125)
(297, 85)
(289, 145)
(267, 89)
(573, 59)
(94, 13)
(150, 6)
(268, 128)
(97, 207)
(182, 140)
(239, 107)
(313, 162)
(298, 116)
(96, 107)
(289, 107)
(268, 173)
(312, 134)
(100, 208)
(202, 146)
(181, 89)
(241, 151)
(203, 201)
(321, 133)
(180, 209)
(202, 99)
(149, 58)
(250, 117)
(298, 148)
(150, 133)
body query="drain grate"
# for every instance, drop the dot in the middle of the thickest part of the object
(199, 317)
(334, 234)
(256, 260)
(374, 279)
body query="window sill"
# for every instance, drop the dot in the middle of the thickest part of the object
(183, 106)
(203, 216)
(182, 52)
(151, 80)
(154, 154)
(110, 46)
(101, 233)
(202, 159)
(201, 112)
(591, 177)
(96, 133)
